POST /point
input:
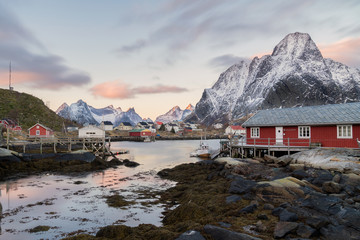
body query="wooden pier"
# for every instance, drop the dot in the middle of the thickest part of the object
(99, 146)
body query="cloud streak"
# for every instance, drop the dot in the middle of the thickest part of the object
(118, 90)
(225, 61)
(32, 64)
(345, 51)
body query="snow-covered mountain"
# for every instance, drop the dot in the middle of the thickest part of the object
(295, 74)
(82, 113)
(175, 114)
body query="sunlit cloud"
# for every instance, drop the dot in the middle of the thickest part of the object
(32, 64)
(136, 46)
(118, 90)
(346, 51)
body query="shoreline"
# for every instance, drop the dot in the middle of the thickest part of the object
(250, 199)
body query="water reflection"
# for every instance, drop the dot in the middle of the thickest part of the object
(55, 200)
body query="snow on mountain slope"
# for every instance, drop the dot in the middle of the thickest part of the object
(295, 74)
(175, 114)
(82, 113)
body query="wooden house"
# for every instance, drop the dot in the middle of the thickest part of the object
(91, 131)
(107, 125)
(334, 125)
(124, 126)
(140, 133)
(141, 125)
(170, 126)
(39, 130)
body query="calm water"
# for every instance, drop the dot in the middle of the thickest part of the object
(55, 201)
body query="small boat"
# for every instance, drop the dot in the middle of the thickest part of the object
(202, 152)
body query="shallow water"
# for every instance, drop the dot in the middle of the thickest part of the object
(56, 201)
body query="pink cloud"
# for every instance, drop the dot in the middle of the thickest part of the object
(119, 90)
(346, 51)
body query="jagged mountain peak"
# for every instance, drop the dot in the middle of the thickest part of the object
(62, 107)
(190, 107)
(295, 74)
(297, 45)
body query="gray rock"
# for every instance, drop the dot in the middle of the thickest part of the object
(241, 185)
(317, 222)
(337, 178)
(283, 161)
(269, 158)
(349, 217)
(218, 233)
(324, 176)
(296, 166)
(224, 224)
(233, 198)
(299, 174)
(331, 187)
(305, 231)
(262, 217)
(190, 235)
(350, 179)
(321, 203)
(332, 232)
(268, 206)
(249, 209)
(286, 216)
(283, 228)
(277, 211)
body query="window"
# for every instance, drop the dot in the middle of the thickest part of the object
(304, 132)
(255, 132)
(344, 131)
(37, 132)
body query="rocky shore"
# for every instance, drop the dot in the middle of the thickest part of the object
(268, 198)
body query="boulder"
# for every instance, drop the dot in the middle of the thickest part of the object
(240, 185)
(268, 206)
(296, 166)
(338, 232)
(349, 217)
(191, 235)
(324, 176)
(305, 231)
(269, 158)
(350, 179)
(320, 202)
(218, 233)
(233, 198)
(299, 174)
(283, 161)
(8, 156)
(331, 187)
(286, 216)
(249, 209)
(283, 228)
(317, 222)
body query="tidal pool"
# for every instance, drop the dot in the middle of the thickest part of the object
(75, 204)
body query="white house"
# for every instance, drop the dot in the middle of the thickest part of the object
(107, 125)
(124, 126)
(91, 132)
(218, 125)
(170, 126)
(141, 125)
(235, 130)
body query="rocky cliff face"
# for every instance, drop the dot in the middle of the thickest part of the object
(295, 74)
(175, 114)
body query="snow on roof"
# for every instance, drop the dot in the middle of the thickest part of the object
(237, 127)
(346, 113)
(49, 129)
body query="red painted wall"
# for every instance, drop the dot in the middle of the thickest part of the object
(139, 134)
(326, 135)
(32, 131)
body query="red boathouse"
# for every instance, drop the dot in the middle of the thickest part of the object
(39, 130)
(333, 125)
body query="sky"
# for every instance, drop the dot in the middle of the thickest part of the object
(154, 55)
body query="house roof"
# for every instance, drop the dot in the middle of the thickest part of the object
(234, 127)
(49, 129)
(107, 123)
(143, 123)
(347, 113)
(126, 124)
(140, 130)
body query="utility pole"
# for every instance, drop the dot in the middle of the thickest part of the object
(10, 87)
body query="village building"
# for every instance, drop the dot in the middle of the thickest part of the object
(334, 125)
(235, 130)
(218, 126)
(10, 124)
(39, 130)
(140, 133)
(141, 125)
(91, 131)
(107, 125)
(170, 126)
(158, 125)
(72, 128)
(124, 126)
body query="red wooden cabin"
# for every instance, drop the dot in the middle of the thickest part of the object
(39, 130)
(334, 125)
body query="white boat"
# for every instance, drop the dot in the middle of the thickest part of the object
(202, 152)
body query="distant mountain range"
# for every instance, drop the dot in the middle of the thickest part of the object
(82, 113)
(295, 74)
(175, 114)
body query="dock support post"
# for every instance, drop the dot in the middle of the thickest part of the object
(70, 147)
(24, 146)
(83, 143)
(288, 147)
(54, 145)
(254, 155)
(7, 138)
(40, 145)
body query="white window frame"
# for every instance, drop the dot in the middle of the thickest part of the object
(302, 131)
(255, 130)
(342, 130)
(37, 132)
